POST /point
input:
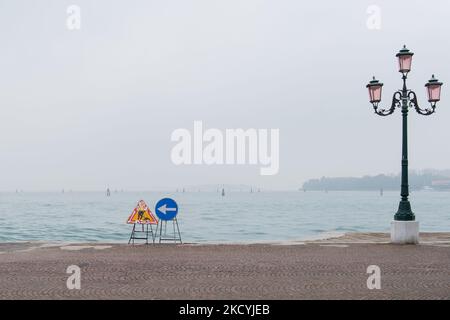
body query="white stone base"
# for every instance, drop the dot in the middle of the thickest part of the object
(405, 232)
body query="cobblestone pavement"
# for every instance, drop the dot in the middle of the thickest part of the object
(318, 270)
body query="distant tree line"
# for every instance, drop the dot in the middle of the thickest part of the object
(417, 181)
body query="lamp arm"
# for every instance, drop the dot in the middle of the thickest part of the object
(414, 104)
(396, 98)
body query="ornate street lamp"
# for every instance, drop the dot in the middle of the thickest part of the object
(401, 230)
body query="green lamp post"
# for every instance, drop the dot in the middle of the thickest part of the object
(404, 99)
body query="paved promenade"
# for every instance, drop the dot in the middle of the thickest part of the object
(324, 269)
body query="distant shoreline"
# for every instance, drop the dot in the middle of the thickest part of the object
(210, 191)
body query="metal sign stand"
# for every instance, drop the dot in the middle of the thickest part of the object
(166, 237)
(144, 232)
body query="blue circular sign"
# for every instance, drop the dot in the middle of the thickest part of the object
(166, 209)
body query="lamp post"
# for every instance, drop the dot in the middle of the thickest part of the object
(401, 230)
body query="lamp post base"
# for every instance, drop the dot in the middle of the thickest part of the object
(404, 212)
(405, 232)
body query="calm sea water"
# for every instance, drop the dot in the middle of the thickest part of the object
(209, 217)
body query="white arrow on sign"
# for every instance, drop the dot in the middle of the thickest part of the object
(164, 209)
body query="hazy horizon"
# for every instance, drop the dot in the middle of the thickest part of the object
(211, 186)
(91, 108)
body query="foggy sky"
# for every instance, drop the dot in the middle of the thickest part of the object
(96, 107)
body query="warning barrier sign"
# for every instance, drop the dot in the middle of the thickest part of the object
(142, 215)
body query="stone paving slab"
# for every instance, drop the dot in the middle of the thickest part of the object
(325, 269)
